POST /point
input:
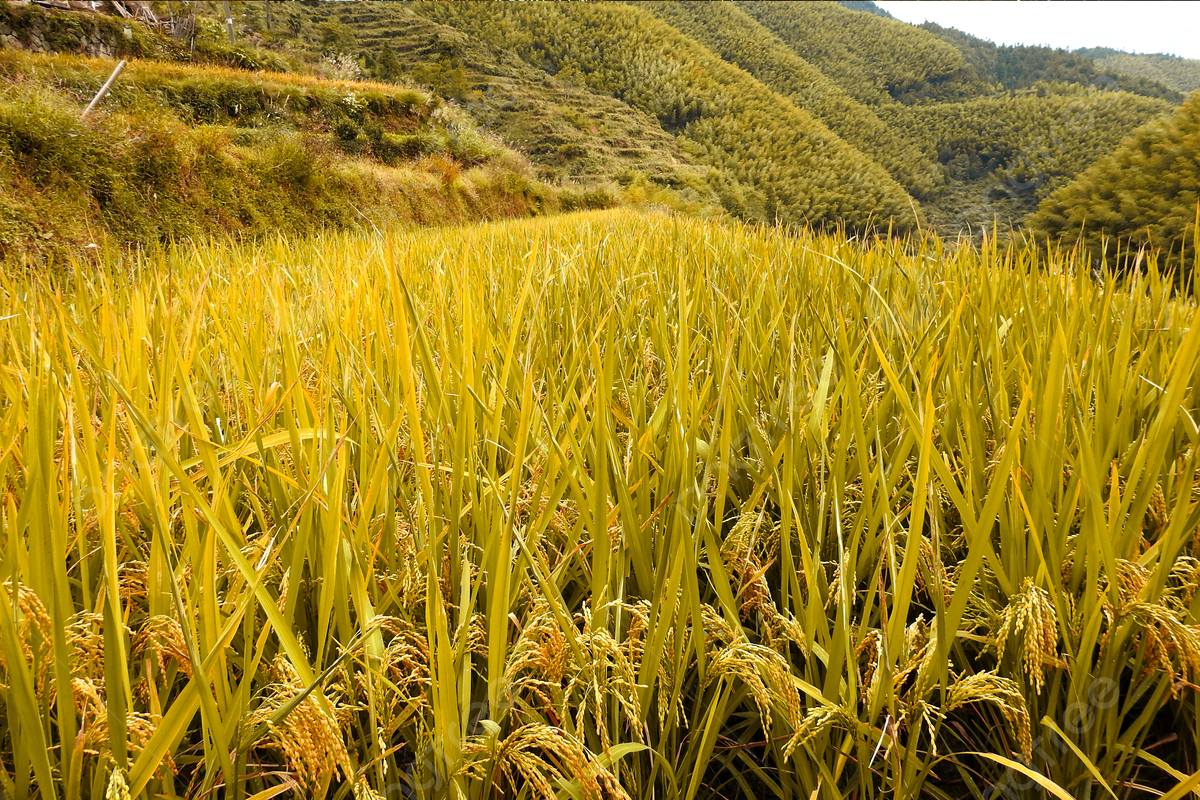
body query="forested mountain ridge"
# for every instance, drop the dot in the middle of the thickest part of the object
(736, 37)
(867, 6)
(1003, 154)
(1024, 66)
(1174, 72)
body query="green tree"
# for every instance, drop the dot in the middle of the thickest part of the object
(387, 66)
(336, 37)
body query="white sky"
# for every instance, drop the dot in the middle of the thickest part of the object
(1136, 27)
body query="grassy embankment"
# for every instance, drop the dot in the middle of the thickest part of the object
(179, 150)
(609, 505)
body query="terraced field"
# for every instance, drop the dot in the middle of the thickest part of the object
(565, 129)
(603, 505)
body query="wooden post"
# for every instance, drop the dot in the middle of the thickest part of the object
(268, 14)
(229, 21)
(108, 84)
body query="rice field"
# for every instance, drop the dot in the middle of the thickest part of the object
(609, 505)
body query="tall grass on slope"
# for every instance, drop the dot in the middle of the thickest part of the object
(184, 151)
(606, 505)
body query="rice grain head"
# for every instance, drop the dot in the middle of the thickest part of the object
(1005, 694)
(118, 788)
(1031, 611)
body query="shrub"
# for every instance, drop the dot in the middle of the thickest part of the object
(340, 67)
(346, 130)
(288, 162)
(467, 145)
(446, 168)
(578, 199)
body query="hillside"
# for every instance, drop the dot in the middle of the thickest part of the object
(1145, 194)
(1174, 72)
(1003, 154)
(977, 133)
(1024, 66)
(774, 161)
(198, 145)
(875, 59)
(736, 37)
(568, 132)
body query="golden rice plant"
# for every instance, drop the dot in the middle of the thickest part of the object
(607, 505)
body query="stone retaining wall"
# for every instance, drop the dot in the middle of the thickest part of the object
(38, 30)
